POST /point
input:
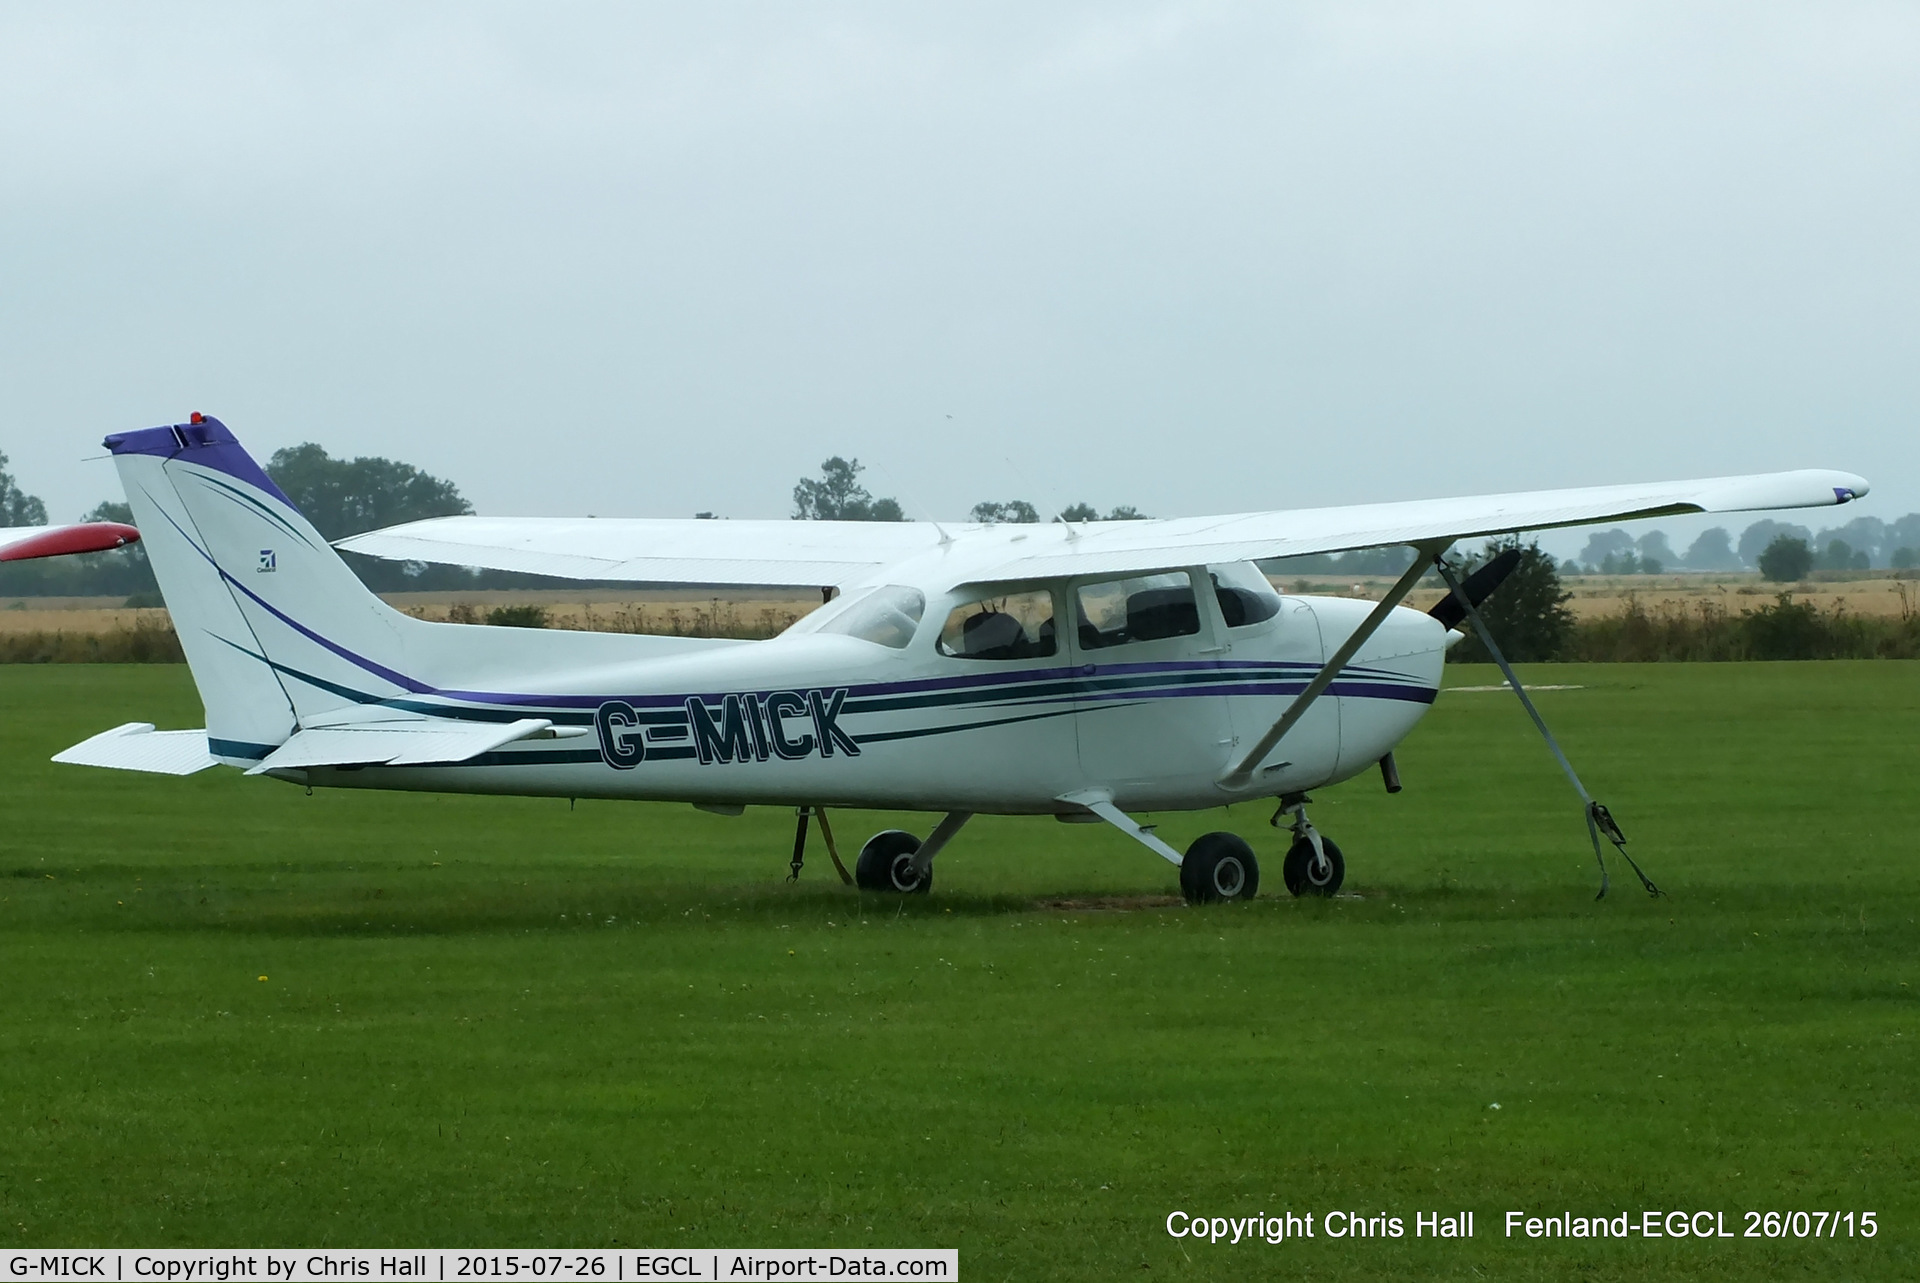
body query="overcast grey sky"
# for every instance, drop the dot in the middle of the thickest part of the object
(644, 260)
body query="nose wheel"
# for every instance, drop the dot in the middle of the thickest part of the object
(1314, 872)
(1314, 865)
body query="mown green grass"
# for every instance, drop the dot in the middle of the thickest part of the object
(496, 1021)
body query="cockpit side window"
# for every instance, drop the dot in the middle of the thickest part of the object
(1140, 608)
(1245, 596)
(886, 616)
(1001, 626)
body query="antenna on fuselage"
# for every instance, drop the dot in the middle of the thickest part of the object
(1057, 513)
(894, 482)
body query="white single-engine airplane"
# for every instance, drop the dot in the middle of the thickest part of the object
(1084, 671)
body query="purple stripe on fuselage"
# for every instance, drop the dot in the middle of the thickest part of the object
(1353, 689)
(919, 684)
(1012, 680)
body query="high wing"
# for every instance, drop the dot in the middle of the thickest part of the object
(661, 551)
(1119, 546)
(820, 553)
(23, 543)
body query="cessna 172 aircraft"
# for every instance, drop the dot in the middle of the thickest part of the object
(1085, 671)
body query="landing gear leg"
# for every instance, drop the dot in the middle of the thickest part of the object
(1314, 865)
(943, 832)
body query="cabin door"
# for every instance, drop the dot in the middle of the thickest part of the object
(1279, 657)
(1152, 719)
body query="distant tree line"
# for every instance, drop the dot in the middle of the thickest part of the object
(1865, 543)
(838, 495)
(16, 508)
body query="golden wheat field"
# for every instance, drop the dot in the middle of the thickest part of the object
(685, 612)
(746, 612)
(1598, 596)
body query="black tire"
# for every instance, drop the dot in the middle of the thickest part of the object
(1303, 879)
(886, 864)
(1219, 866)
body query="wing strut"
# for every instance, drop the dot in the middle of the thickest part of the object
(1599, 820)
(1239, 776)
(1100, 802)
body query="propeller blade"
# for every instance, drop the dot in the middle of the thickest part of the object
(1478, 586)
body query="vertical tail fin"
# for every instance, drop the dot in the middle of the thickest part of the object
(275, 626)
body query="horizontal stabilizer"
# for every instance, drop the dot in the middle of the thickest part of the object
(426, 742)
(136, 746)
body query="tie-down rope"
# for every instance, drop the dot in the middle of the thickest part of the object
(1599, 819)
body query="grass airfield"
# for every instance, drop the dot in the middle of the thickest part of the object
(498, 1022)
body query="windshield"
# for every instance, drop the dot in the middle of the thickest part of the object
(886, 616)
(1244, 594)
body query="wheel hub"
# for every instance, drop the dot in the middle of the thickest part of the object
(1228, 878)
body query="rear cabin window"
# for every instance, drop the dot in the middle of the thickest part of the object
(885, 616)
(1143, 608)
(1002, 626)
(1244, 594)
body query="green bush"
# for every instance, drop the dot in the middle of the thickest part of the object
(1786, 560)
(1527, 614)
(524, 616)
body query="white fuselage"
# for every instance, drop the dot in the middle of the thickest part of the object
(816, 718)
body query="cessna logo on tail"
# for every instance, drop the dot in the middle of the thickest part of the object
(744, 728)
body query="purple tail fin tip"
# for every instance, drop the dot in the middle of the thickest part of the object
(205, 442)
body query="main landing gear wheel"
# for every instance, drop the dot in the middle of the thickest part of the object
(1219, 866)
(886, 864)
(1306, 875)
